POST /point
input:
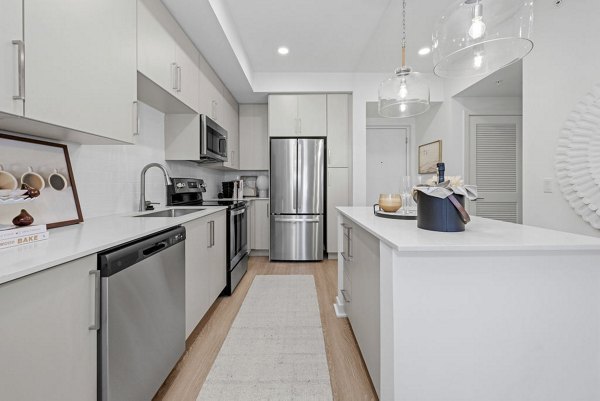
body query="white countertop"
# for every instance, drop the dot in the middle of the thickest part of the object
(480, 235)
(92, 236)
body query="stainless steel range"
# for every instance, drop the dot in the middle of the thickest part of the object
(188, 192)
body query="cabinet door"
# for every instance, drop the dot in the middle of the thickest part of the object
(210, 92)
(261, 224)
(81, 65)
(197, 295)
(218, 255)
(254, 137)
(11, 29)
(312, 115)
(231, 124)
(186, 57)
(283, 115)
(337, 195)
(338, 130)
(155, 45)
(48, 351)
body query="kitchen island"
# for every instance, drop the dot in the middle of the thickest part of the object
(498, 312)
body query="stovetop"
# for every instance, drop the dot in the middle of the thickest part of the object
(223, 202)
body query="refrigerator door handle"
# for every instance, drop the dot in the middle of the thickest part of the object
(284, 220)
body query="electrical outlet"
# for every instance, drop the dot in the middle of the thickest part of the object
(548, 185)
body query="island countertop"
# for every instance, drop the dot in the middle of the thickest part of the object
(481, 234)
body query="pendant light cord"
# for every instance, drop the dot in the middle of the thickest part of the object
(403, 33)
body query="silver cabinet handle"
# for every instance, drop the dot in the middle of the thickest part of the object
(96, 324)
(212, 233)
(21, 69)
(136, 118)
(346, 299)
(174, 79)
(178, 78)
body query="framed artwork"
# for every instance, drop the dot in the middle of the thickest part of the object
(430, 155)
(44, 166)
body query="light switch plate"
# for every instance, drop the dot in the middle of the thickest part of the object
(548, 185)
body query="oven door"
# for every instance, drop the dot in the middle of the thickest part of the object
(238, 239)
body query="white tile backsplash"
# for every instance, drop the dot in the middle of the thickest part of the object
(108, 177)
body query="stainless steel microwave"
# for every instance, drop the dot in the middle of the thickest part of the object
(213, 141)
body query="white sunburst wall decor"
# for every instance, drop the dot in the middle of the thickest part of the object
(578, 158)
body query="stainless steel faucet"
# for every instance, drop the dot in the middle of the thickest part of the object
(143, 204)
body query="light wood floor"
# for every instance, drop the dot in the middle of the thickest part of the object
(349, 378)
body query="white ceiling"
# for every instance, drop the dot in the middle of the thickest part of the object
(241, 37)
(507, 82)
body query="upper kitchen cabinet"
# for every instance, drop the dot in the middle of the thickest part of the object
(230, 121)
(167, 60)
(338, 130)
(254, 137)
(70, 69)
(298, 115)
(11, 47)
(210, 91)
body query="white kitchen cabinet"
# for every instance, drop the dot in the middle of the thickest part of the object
(11, 31)
(260, 224)
(361, 260)
(167, 57)
(78, 69)
(217, 254)
(210, 89)
(205, 266)
(230, 122)
(254, 137)
(338, 130)
(48, 351)
(298, 115)
(337, 195)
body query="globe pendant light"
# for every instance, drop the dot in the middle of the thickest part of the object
(405, 94)
(477, 37)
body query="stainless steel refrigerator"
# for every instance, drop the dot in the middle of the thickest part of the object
(297, 199)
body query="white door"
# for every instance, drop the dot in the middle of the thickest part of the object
(337, 195)
(312, 115)
(217, 251)
(81, 69)
(254, 137)
(48, 351)
(495, 160)
(11, 30)
(261, 224)
(197, 287)
(210, 96)
(387, 160)
(283, 115)
(338, 130)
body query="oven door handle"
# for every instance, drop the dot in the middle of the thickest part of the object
(237, 213)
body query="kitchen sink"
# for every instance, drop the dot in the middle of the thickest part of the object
(170, 213)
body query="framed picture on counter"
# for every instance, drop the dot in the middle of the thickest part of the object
(27, 163)
(430, 155)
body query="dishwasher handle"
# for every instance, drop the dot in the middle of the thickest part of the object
(151, 250)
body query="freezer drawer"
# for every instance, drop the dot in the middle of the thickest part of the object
(297, 238)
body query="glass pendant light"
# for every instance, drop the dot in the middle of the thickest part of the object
(405, 94)
(477, 37)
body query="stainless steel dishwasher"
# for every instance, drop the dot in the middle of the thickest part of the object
(142, 332)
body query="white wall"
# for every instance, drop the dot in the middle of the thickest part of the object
(108, 177)
(561, 69)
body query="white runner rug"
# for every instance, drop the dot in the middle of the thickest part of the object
(275, 348)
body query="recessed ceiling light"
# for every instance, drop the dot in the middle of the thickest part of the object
(424, 51)
(283, 50)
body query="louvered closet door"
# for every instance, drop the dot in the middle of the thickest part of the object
(495, 166)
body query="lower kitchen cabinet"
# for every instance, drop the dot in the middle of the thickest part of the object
(337, 195)
(259, 225)
(47, 349)
(361, 275)
(205, 265)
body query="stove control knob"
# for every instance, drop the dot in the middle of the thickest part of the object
(180, 185)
